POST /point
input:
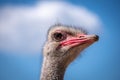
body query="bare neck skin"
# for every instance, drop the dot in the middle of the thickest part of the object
(52, 69)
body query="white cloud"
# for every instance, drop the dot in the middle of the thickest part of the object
(23, 28)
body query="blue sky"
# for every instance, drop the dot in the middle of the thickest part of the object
(99, 62)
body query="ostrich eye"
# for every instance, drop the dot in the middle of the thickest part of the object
(59, 36)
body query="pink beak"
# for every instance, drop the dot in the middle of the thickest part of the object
(79, 39)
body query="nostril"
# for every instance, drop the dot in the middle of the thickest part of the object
(96, 37)
(81, 36)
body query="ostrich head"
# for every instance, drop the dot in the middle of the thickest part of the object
(65, 43)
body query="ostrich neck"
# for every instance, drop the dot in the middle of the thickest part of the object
(52, 69)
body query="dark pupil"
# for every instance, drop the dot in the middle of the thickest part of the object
(58, 36)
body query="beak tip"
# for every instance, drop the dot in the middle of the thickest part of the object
(96, 37)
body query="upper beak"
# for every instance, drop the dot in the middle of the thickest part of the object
(79, 39)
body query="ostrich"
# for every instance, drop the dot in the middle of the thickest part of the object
(63, 45)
